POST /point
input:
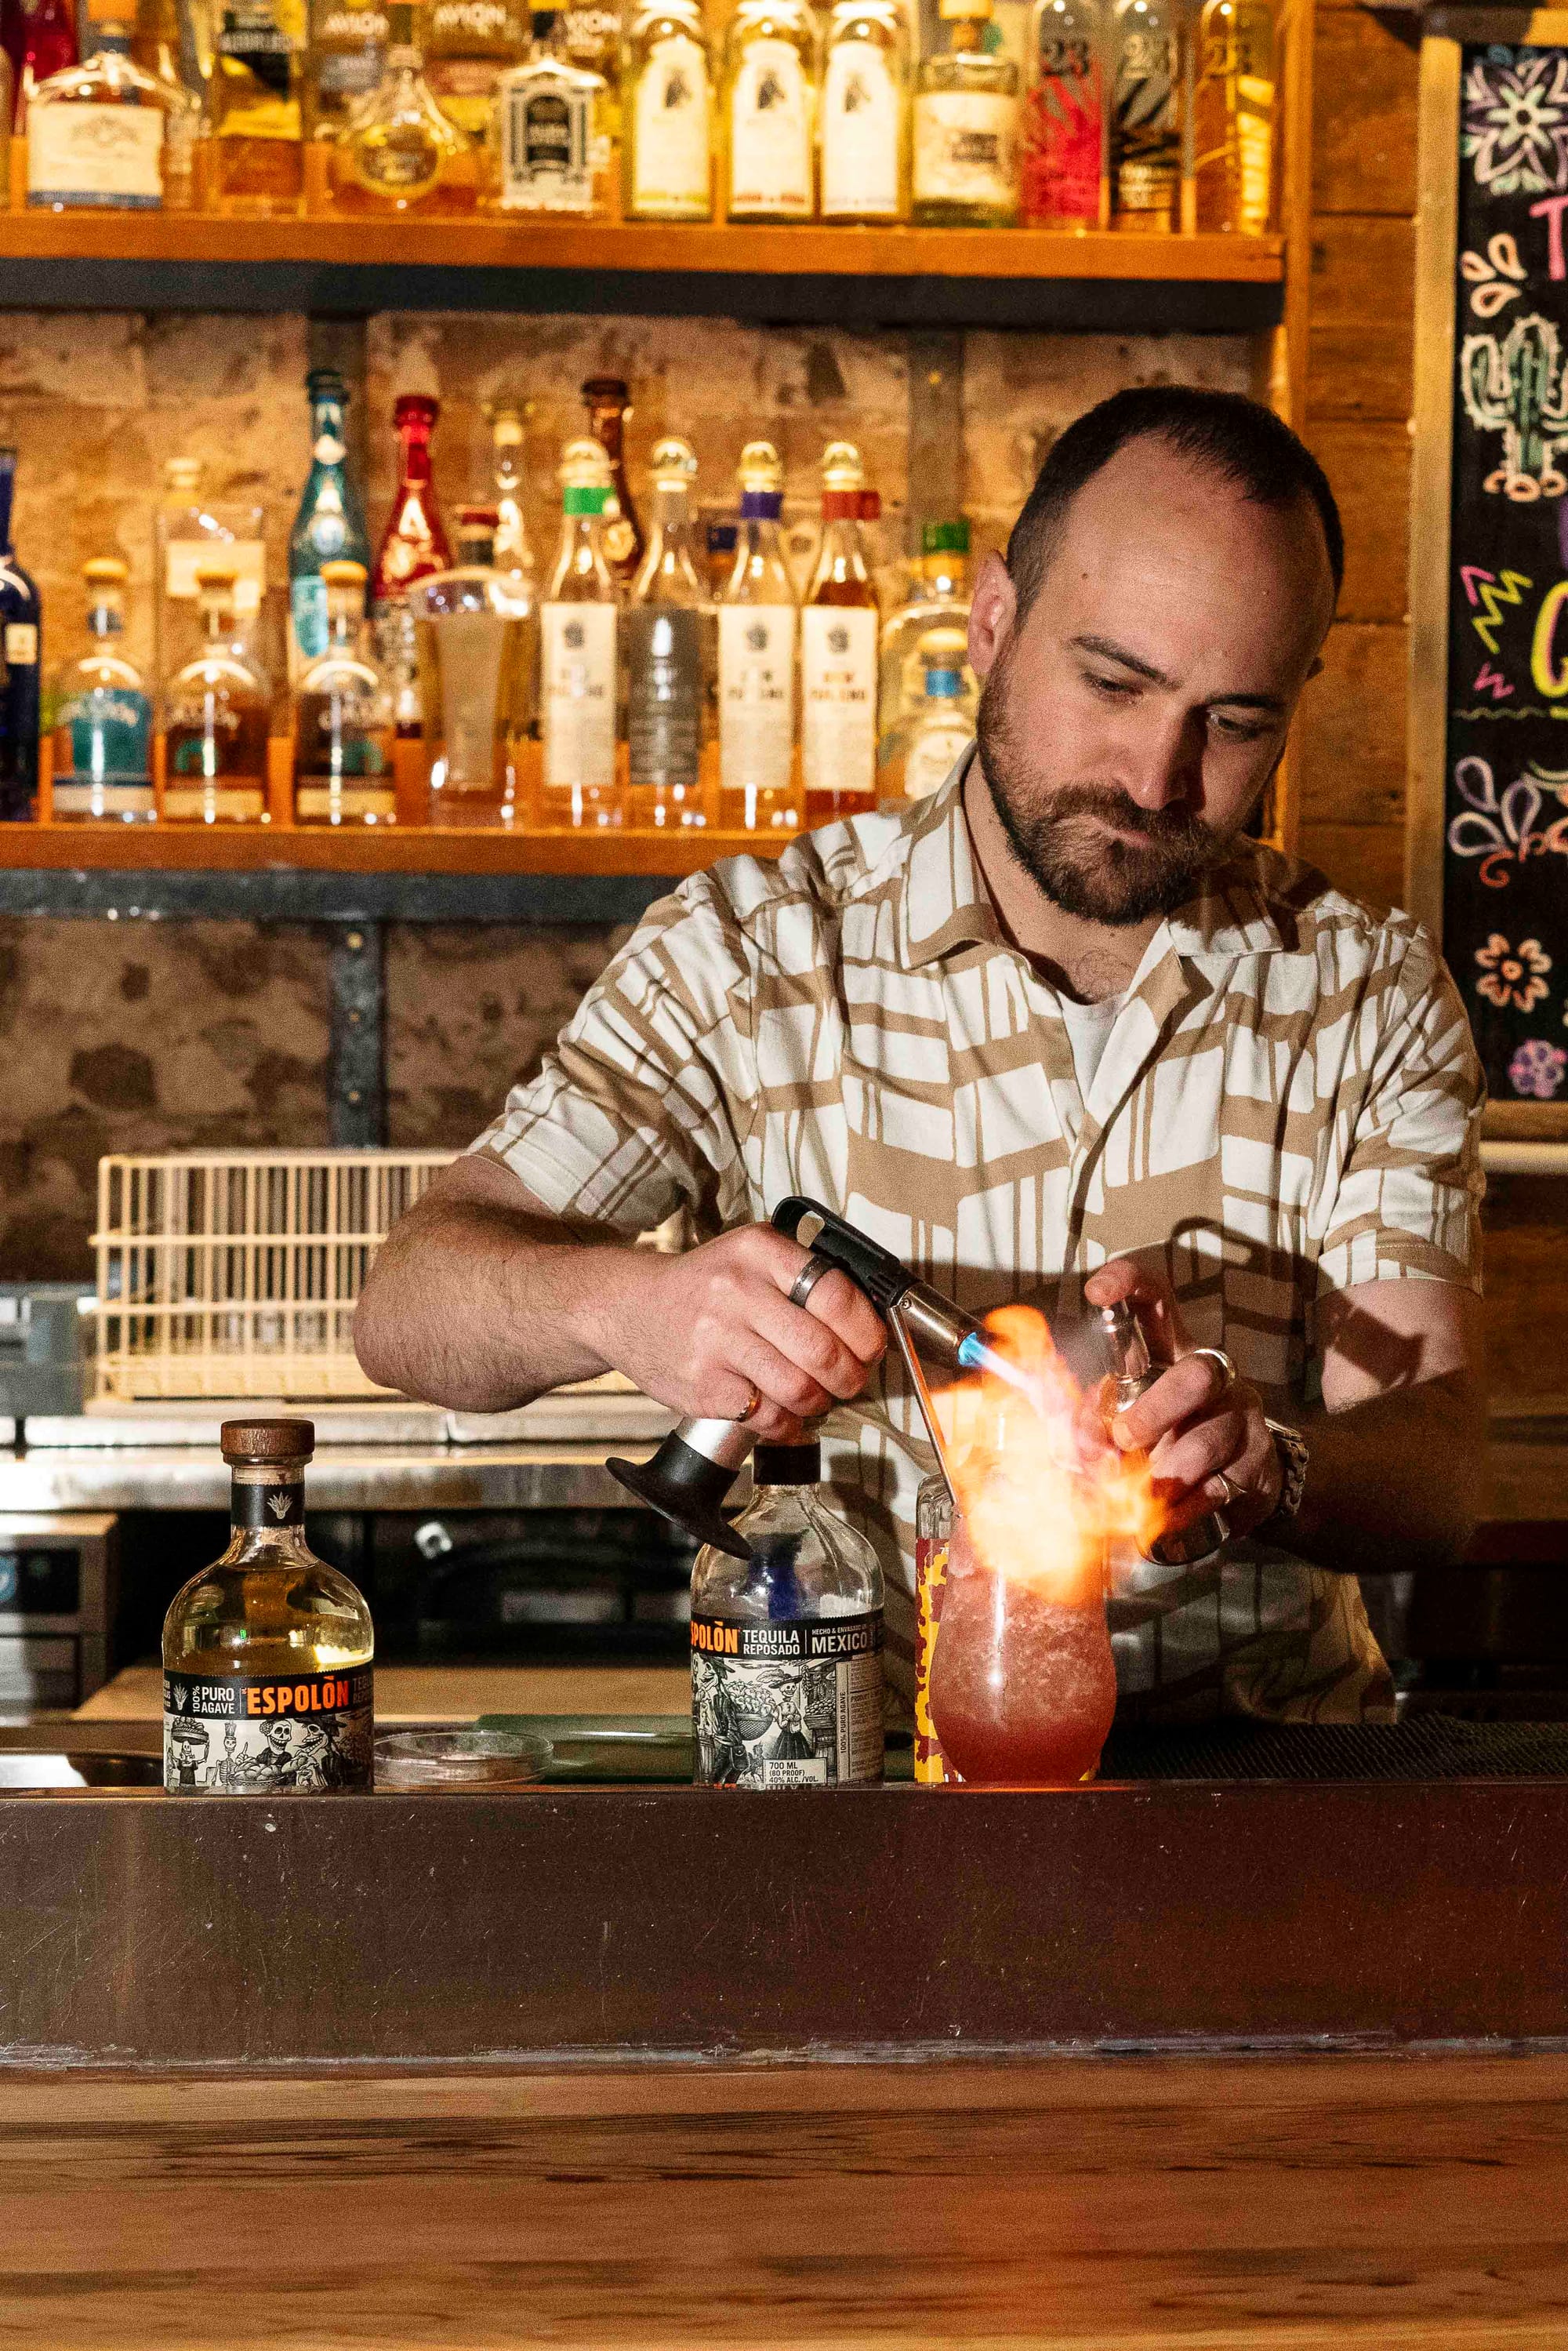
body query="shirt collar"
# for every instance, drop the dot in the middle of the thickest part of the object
(947, 906)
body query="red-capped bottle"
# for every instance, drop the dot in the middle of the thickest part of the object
(413, 547)
(40, 39)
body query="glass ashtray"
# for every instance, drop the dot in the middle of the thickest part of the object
(491, 1760)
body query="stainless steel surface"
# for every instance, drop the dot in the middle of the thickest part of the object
(342, 1478)
(899, 1324)
(935, 1323)
(727, 1443)
(586, 1414)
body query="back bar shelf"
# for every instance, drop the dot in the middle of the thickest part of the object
(1108, 282)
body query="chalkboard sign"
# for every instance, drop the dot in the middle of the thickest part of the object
(1499, 809)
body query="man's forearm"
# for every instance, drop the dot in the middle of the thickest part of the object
(480, 1306)
(1396, 1482)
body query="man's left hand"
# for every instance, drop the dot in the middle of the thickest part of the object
(1209, 1445)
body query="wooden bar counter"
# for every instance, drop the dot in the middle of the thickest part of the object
(1145, 2065)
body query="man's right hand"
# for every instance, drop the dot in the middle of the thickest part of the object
(700, 1331)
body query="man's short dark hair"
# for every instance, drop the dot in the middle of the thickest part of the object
(1237, 438)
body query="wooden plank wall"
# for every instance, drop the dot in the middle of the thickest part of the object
(1351, 742)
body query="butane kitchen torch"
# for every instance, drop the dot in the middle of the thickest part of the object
(692, 1471)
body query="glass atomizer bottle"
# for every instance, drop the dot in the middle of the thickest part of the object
(758, 783)
(839, 626)
(667, 635)
(103, 716)
(577, 678)
(786, 1644)
(268, 1653)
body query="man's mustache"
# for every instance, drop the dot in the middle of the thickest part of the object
(1162, 827)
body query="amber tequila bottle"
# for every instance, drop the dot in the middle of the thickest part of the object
(346, 53)
(216, 725)
(398, 153)
(268, 1653)
(608, 400)
(1146, 115)
(667, 636)
(469, 46)
(865, 113)
(414, 546)
(759, 779)
(578, 654)
(1234, 117)
(343, 718)
(667, 148)
(1062, 164)
(966, 127)
(838, 628)
(770, 111)
(255, 152)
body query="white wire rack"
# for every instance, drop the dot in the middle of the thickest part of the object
(234, 1273)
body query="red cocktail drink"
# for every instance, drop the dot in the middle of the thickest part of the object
(1022, 1686)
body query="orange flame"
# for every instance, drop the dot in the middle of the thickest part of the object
(1040, 1486)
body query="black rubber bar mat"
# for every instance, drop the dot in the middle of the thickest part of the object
(1431, 1746)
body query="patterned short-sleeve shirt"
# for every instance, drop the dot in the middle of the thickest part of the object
(1286, 1106)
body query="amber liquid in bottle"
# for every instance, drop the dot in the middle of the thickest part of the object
(268, 1652)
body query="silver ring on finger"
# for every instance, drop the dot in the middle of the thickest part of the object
(1226, 1368)
(1232, 1490)
(806, 1280)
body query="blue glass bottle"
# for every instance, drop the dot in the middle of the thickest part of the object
(329, 527)
(21, 630)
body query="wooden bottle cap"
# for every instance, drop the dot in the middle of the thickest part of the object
(257, 1442)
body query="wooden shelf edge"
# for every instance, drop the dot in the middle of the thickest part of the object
(713, 248)
(413, 849)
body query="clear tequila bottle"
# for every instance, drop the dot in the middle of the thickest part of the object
(343, 729)
(667, 75)
(1063, 161)
(512, 553)
(577, 656)
(268, 1653)
(1146, 115)
(759, 778)
(940, 599)
(193, 529)
(549, 151)
(966, 127)
(840, 623)
(770, 111)
(865, 113)
(668, 634)
(103, 716)
(919, 750)
(107, 135)
(216, 725)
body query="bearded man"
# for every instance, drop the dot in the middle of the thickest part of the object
(1062, 1032)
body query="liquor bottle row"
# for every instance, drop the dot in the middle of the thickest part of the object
(679, 676)
(1146, 114)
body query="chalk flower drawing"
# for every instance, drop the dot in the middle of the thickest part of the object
(1489, 275)
(1516, 121)
(1537, 1069)
(1500, 828)
(1513, 975)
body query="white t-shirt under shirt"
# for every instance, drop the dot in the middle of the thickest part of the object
(1089, 1028)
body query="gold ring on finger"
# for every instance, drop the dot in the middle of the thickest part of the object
(753, 1400)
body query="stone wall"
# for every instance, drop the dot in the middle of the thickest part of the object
(154, 1036)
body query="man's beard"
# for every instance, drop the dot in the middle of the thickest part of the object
(1097, 876)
